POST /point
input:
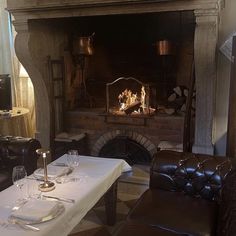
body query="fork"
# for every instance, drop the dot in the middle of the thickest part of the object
(22, 225)
(10, 221)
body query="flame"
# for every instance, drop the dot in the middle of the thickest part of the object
(127, 98)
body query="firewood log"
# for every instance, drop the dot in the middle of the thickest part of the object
(134, 106)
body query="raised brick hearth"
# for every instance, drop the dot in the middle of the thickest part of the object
(147, 131)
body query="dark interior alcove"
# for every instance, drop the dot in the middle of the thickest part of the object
(127, 47)
(126, 148)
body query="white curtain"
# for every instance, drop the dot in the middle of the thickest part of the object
(26, 94)
(22, 88)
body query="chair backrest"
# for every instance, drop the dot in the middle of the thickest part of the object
(19, 151)
(198, 175)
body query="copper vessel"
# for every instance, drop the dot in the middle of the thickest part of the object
(83, 45)
(165, 47)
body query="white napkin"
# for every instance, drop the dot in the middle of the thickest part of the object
(53, 171)
(35, 210)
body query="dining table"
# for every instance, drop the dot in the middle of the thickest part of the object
(95, 177)
(16, 122)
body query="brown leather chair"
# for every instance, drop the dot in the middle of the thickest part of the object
(16, 151)
(189, 194)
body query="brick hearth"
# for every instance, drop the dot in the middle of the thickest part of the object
(147, 131)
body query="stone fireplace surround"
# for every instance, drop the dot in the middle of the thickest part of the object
(34, 42)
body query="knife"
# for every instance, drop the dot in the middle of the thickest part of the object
(60, 199)
(59, 164)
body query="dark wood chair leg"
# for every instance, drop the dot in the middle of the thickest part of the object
(110, 204)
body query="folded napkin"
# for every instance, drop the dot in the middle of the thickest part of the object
(35, 210)
(53, 171)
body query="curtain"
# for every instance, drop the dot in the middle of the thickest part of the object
(22, 88)
(8, 61)
(26, 95)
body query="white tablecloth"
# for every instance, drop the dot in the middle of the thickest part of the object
(97, 176)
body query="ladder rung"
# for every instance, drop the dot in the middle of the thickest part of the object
(57, 79)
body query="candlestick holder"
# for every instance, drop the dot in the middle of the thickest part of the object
(47, 185)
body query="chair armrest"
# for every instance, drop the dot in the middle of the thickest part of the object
(194, 174)
(20, 151)
(227, 210)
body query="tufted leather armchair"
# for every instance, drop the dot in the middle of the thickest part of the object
(189, 194)
(16, 151)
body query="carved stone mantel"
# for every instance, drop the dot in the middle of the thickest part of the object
(205, 41)
(28, 48)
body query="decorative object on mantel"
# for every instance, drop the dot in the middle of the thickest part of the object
(47, 185)
(165, 49)
(83, 48)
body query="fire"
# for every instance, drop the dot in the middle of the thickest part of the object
(129, 99)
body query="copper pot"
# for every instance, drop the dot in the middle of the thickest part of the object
(165, 47)
(83, 45)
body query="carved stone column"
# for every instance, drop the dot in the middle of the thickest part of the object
(42, 109)
(205, 41)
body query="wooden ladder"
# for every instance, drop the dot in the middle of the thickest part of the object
(57, 87)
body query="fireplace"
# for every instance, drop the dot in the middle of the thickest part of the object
(128, 149)
(128, 96)
(42, 30)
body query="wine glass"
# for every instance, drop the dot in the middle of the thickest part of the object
(19, 179)
(73, 162)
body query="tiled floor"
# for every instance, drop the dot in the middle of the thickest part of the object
(130, 187)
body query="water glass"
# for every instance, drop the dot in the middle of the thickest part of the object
(19, 180)
(33, 188)
(73, 158)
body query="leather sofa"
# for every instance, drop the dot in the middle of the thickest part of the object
(16, 151)
(189, 194)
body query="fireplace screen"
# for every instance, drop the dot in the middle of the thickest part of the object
(127, 96)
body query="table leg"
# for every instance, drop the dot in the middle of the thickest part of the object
(110, 204)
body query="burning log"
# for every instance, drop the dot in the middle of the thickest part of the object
(132, 107)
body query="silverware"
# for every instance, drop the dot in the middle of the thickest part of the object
(12, 221)
(60, 199)
(22, 225)
(66, 179)
(59, 164)
(34, 178)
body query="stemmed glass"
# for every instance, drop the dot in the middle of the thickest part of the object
(19, 179)
(73, 162)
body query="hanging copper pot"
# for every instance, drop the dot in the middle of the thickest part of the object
(165, 47)
(83, 45)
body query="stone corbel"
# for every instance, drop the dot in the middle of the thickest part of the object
(23, 52)
(205, 41)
